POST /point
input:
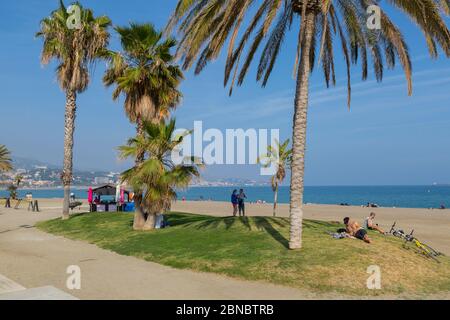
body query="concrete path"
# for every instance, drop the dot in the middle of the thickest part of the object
(44, 293)
(36, 259)
(8, 286)
(10, 290)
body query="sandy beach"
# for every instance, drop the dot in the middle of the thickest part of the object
(430, 226)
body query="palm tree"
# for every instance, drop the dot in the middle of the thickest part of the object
(206, 26)
(13, 187)
(18, 180)
(5, 159)
(157, 177)
(279, 156)
(145, 74)
(75, 50)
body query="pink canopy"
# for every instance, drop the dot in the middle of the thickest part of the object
(90, 195)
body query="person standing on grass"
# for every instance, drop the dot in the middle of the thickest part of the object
(235, 202)
(241, 199)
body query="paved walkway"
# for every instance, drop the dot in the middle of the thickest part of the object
(8, 286)
(10, 290)
(36, 260)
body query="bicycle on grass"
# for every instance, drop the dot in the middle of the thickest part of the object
(416, 245)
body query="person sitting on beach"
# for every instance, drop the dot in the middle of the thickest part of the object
(355, 230)
(369, 223)
(372, 205)
(235, 202)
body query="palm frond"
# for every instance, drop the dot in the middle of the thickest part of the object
(144, 73)
(75, 50)
(157, 176)
(206, 26)
(5, 159)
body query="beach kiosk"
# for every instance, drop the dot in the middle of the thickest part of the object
(109, 198)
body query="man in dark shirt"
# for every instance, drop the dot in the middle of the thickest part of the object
(241, 198)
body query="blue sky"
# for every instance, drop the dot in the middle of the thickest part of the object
(386, 137)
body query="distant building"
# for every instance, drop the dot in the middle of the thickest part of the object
(113, 175)
(102, 180)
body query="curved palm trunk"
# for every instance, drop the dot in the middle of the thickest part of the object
(150, 224)
(69, 129)
(139, 216)
(299, 134)
(275, 202)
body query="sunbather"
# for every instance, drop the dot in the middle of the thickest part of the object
(369, 224)
(354, 229)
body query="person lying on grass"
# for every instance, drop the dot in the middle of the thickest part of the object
(354, 229)
(369, 224)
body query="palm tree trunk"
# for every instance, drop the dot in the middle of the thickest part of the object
(299, 134)
(139, 216)
(150, 223)
(275, 202)
(140, 132)
(69, 129)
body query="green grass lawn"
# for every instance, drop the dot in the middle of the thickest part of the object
(256, 249)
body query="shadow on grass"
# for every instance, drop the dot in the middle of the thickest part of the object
(77, 215)
(281, 222)
(199, 221)
(229, 222)
(270, 225)
(181, 219)
(209, 224)
(266, 224)
(246, 222)
(314, 225)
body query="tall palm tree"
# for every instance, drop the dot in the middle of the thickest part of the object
(206, 26)
(75, 50)
(5, 159)
(157, 177)
(145, 74)
(279, 156)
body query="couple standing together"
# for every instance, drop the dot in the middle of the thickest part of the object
(238, 201)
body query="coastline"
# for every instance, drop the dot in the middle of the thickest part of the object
(384, 196)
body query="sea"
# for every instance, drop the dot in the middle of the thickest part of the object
(384, 196)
